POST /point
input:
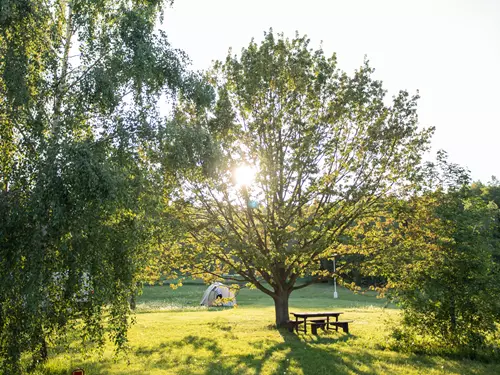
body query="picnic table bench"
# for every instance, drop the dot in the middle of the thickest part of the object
(324, 322)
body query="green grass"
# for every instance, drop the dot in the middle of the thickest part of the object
(173, 335)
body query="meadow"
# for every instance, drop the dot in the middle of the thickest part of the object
(174, 335)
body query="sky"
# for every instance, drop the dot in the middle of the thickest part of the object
(449, 50)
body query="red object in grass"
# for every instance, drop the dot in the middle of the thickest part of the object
(78, 371)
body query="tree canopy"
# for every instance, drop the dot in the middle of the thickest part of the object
(324, 146)
(79, 87)
(437, 251)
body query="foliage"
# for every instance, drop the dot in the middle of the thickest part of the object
(79, 86)
(490, 192)
(325, 148)
(437, 252)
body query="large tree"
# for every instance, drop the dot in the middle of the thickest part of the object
(325, 148)
(79, 86)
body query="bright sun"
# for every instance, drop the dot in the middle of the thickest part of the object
(244, 175)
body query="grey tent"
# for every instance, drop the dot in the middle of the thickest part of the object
(218, 294)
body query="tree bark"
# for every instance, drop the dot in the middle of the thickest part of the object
(40, 354)
(281, 308)
(61, 85)
(132, 302)
(453, 316)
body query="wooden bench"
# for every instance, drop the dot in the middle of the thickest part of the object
(317, 323)
(294, 325)
(344, 324)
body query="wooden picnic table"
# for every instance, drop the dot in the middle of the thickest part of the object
(322, 314)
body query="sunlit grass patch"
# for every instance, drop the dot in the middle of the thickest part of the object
(196, 340)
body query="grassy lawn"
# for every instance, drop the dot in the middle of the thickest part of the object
(173, 335)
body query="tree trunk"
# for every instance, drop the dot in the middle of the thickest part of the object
(356, 275)
(44, 352)
(453, 316)
(40, 354)
(281, 308)
(61, 86)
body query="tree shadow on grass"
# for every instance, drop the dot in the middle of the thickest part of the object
(324, 354)
(312, 355)
(201, 355)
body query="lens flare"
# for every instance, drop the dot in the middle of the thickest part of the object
(244, 175)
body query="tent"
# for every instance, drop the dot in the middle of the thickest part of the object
(218, 294)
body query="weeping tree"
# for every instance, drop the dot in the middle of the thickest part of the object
(300, 151)
(79, 87)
